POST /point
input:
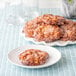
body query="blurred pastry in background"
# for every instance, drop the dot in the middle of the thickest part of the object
(50, 28)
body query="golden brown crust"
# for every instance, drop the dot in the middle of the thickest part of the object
(50, 28)
(69, 31)
(33, 57)
(47, 33)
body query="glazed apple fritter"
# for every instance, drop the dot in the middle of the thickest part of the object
(50, 28)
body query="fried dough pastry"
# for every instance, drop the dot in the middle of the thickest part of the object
(33, 57)
(50, 28)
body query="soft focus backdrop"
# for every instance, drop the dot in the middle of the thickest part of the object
(40, 3)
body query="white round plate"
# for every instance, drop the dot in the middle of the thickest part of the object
(54, 55)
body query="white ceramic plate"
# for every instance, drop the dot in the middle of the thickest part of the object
(54, 55)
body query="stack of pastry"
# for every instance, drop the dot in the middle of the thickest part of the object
(50, 28)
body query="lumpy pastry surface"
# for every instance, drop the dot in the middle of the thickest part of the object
(33, 57)
(50, 28)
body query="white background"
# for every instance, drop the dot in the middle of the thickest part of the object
(40, 3)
